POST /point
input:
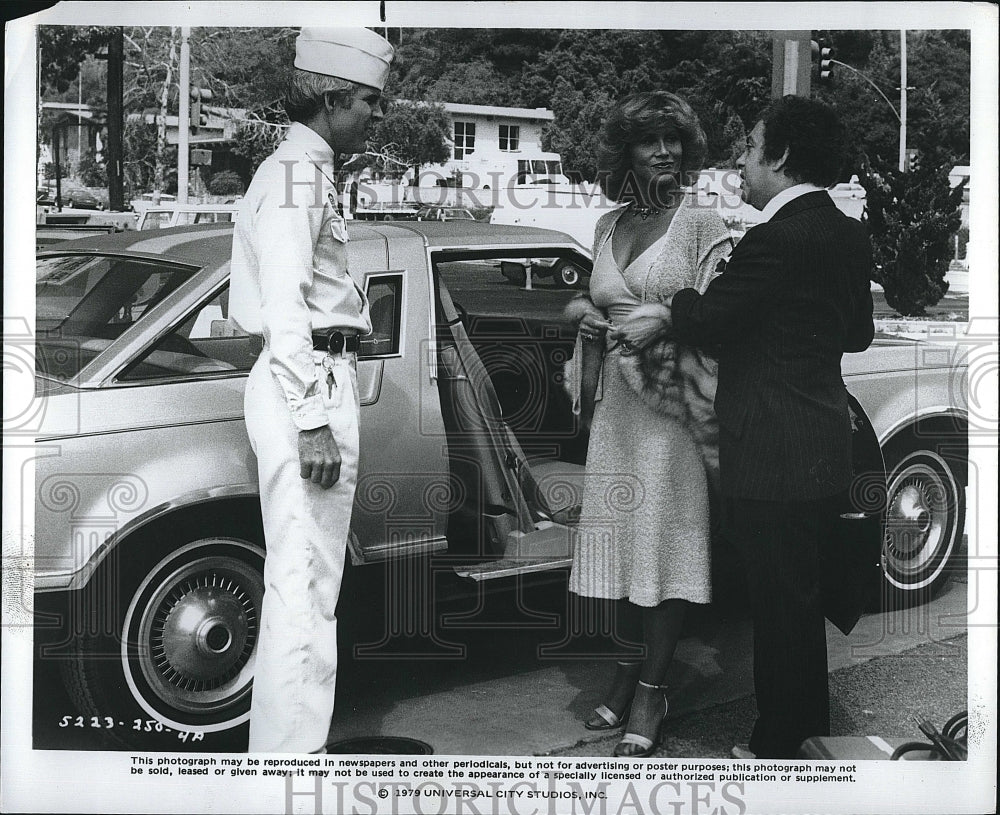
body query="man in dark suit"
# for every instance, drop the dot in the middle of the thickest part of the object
(795, 295)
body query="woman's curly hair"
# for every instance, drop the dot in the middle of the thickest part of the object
(637, 116)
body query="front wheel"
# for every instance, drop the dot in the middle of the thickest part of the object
(925, 519)
(178, 656)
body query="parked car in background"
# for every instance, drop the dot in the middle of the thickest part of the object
(151, 199)
(444, 214)
(82, 198)
(385, 211)
(162, 217)
(849, 189)
(148, 548)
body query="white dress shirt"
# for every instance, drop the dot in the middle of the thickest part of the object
(785, 196)
(289, 274)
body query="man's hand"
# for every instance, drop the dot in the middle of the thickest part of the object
(645, 324)
(319, 457)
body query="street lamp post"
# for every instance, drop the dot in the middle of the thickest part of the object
(183, 118)
(902, 100)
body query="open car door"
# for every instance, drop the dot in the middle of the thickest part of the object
(505, 510)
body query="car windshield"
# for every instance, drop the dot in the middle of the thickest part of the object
(84, 302)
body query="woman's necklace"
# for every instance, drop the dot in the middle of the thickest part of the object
(644, 212)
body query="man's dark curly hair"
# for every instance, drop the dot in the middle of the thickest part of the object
(813, 134)
(637, 116)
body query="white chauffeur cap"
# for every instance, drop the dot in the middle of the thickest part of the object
(356, 54)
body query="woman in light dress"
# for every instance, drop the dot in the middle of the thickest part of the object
(643, 540)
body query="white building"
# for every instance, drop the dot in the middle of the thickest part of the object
(493, 147)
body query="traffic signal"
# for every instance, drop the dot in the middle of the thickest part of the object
(197, 118)
(824, 51)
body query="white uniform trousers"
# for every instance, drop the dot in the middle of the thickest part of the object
(305, 531)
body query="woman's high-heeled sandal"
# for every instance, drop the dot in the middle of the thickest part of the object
(605, 718)
(635, 745)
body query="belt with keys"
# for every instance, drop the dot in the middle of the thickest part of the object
(334, 341)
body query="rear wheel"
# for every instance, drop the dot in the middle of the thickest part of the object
(176, 655)
(567, 275)
(925, 519)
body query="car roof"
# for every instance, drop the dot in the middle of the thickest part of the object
(169, 207)
(471, 233)
(207, 245)
(198, 245)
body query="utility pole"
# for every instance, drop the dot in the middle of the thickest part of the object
(791, 64)
(902, 101)
(79, 116)
(184, 118)
(116, 111)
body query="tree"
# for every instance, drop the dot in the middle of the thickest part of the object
(61, 50)
(226, 182)
(472, 83)
(938, 66)
(257, 136)
(93, 173)
(912, 218)
(410, 134)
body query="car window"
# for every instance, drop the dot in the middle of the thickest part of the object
(385, 301)
(207, 342)
(155, 220)
(83, 302)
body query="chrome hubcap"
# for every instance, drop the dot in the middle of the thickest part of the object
(920, 519)
(198, 629)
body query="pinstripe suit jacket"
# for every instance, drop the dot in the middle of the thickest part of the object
(794, 297)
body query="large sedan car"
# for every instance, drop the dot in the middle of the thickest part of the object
(148, 543)
(444, 214)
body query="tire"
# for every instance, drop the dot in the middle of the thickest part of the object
(925, 520)
(567, 275)
(177, 654)
(515, 272)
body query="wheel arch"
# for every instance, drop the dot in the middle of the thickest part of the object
(241, 504)
(947, 431)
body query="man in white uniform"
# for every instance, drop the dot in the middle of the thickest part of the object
(291, 286)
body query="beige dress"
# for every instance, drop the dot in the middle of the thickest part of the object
(644, 526)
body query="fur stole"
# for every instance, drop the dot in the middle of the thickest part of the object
(678, 381)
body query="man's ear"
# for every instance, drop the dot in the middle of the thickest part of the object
(778, 165)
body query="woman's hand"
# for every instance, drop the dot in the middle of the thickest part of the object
(645, 324)
(590, 320)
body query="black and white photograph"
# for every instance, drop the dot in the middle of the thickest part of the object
(500, 408)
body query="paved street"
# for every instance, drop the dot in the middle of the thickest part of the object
(505, 696)
(499, 681)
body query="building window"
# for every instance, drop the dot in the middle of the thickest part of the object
(510, 137)
(465, 139)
